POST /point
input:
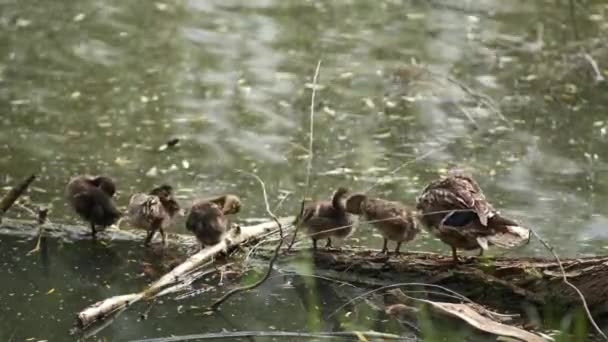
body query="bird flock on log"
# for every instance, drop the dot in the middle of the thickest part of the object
(453, 208)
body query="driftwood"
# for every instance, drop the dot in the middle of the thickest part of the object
(178, 275)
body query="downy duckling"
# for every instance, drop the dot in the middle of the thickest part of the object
(153, 212)
(455, 210)
(91, 198)
(327, 219)
(207, 218)
(395, 221)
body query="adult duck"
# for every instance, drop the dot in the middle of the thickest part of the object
(207, 218)
(327, 219)
(91, 199)
(456, 211)
(395, 221)
(153, 211)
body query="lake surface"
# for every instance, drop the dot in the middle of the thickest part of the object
(97, 88)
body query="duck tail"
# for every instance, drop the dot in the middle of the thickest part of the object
(507, 233)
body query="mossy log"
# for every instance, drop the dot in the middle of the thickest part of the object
(73, 233)
(507, 284)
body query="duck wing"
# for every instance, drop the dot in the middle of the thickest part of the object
(455, 193)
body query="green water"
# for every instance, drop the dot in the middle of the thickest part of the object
(97, 87)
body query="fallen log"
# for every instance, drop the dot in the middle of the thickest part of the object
(507, 284)
(72, 233)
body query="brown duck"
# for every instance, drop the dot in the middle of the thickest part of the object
(395, 221)
(207, 218)
(153, 211)
(91, 198)
(327, 219)
(455, 210)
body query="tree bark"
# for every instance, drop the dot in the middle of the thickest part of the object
(503, 283)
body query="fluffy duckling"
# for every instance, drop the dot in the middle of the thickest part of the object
(394, 220)
(91, 198)
(207, 218)
(327, 219)
(154, 211)
(456, 211)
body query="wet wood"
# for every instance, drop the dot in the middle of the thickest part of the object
(471, 314)
(73, 233)
(508, 284)
(181, 274)
(10, 197)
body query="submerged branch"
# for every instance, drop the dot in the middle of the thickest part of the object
(347, 335)
(234, 291)
(9, 199)
(179, 274)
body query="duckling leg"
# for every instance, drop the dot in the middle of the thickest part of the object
(328, 244)
(384, 247)
(149, 236)
(314, 244)
(398, 248)
(454, 255)
(163, 237)
(480, 252)
(93, 231)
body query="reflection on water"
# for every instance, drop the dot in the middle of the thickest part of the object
(97, 88)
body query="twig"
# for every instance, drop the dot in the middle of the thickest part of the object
(567, 282)
(596, 70)
(312, 128)
(481, 97)
(280, 202)
(572, 12)
(347, 335)
(234, 291)
(396, 286)
(419, 158)
(310, 149)
(41, 220)
(14, 194)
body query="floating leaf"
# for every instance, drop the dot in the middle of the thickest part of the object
(79, 17)
(50, 291)
(153, 172)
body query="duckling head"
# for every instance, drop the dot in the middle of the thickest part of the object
(232, 204)
(337, 200)
(106, 184)
(165, 194)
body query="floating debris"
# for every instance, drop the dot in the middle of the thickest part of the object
(79, 17)
(171, 143)
(153, 172)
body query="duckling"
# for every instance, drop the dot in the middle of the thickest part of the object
(395, 221)
(154, 211)
(207, 218)
(455, 210)
(91, 198)
(327, 219)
